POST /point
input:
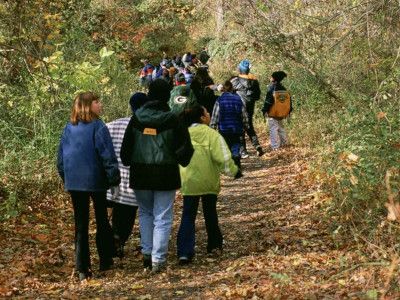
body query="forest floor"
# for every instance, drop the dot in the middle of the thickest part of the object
(279, 243)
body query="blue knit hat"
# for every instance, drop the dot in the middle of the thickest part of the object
(137, 100)
(244, 66)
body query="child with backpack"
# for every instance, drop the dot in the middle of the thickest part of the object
(276, 108)
(201, 180)
(247, 87)
(88, 166)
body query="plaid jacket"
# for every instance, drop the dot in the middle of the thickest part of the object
(117, 131)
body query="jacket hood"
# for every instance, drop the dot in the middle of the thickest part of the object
(248, 76)
(198, 133)
(155, 114)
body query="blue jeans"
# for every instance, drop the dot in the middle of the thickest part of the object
(155, 220)
(233, 142)
(186, 233)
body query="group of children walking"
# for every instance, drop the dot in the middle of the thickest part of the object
(169, 143)
(170, 66)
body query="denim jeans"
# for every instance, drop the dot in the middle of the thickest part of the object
(277, 133)
(233, 142)
(104, 242)
(186, 233)
(155, 220)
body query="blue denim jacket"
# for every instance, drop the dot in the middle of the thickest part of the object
(86, 158)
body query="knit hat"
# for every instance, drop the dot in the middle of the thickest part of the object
(244, 66)
(159, 90)
(278, 76)
(137, 100)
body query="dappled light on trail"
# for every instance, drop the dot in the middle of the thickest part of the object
(278, 242)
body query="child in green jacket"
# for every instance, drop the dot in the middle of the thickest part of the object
(201, 179)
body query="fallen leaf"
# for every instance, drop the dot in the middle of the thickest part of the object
(393, 211)
(380, 115)
(137, 286)
(353, 179)
(352, 157)
(44, 238)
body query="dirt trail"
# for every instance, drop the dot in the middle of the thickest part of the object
(277, 245)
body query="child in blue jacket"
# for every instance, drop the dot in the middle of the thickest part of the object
(230, 118)
(88, 166)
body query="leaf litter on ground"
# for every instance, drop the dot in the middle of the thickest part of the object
(278, 243)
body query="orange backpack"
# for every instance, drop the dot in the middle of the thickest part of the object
(281, 107)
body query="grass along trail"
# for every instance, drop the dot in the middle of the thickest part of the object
(278, 244)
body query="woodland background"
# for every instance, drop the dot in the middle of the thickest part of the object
(343, 63)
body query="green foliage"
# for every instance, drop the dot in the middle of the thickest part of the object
(50, 50)
(343, 75)
(35, 105)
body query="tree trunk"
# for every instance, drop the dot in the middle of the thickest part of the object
(219, 17)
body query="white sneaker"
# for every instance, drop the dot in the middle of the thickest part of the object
(244, 154)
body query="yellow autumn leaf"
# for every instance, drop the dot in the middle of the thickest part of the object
(137, 286)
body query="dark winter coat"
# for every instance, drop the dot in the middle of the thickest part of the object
(204, 94)
(155, 142)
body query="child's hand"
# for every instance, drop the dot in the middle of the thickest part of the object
(114, 192)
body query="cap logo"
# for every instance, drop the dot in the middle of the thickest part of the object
(180, 100)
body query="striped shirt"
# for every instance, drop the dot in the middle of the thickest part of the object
(126, 195)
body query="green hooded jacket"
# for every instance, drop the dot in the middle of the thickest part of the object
(211, 158)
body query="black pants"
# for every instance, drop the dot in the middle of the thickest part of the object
(123, 219)
(104, 241)
(250, 131)
(186, 233)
